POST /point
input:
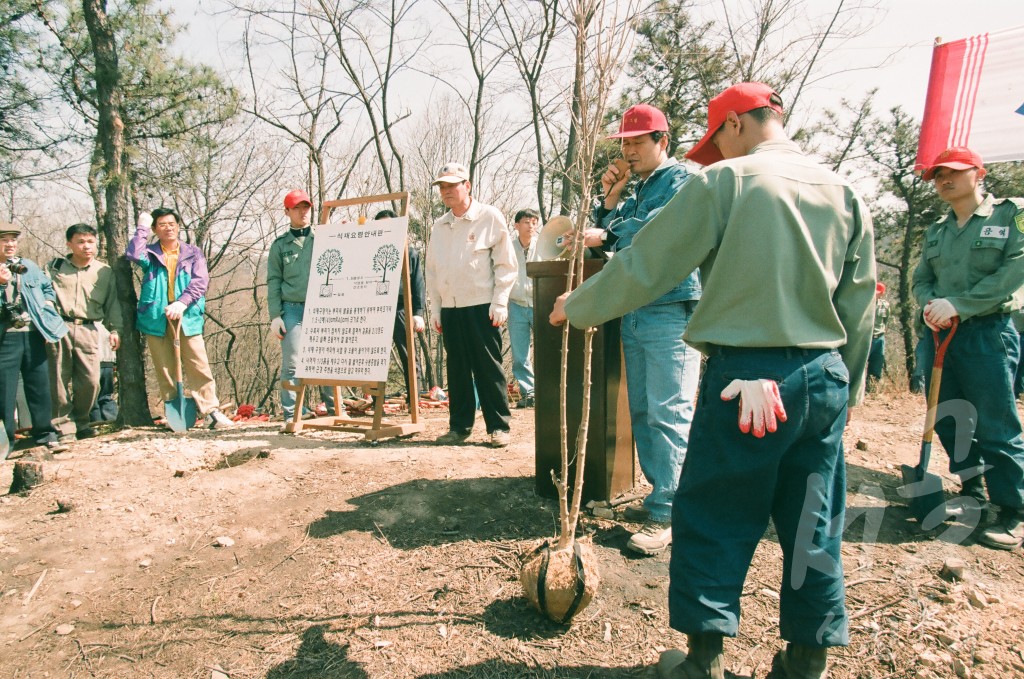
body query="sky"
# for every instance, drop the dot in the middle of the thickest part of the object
(894, 56)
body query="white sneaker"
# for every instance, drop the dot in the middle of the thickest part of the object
(652, 538)
(215, 419)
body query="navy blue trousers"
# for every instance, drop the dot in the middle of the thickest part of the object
(25, 353)
(977, 415)
(733, 483)
(473, 356)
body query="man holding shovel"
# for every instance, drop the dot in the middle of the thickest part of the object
(785, 248)
(971, 268)
(171, 306)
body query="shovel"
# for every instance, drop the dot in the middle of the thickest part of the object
(179, 411)
(924, 489)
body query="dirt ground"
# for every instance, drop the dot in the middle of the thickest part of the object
(400, 560)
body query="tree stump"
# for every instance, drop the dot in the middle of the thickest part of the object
(27, 474)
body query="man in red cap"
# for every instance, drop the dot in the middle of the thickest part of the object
(291, 257)
(785, 248)
(972, 268)
(661, 370)
(876, 359)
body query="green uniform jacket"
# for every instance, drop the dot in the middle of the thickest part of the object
(786, 254)
(979, 268)
(288, 270)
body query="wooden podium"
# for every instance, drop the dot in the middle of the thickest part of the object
(608, 470)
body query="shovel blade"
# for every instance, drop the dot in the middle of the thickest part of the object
(180, 411)
(924, 491)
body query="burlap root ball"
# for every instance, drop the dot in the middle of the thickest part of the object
(560, 583)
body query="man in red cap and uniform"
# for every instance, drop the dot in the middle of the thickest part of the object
(785, 248)
(972, 268)
(661, 370)
(291, 257)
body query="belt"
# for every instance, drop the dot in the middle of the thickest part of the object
(987, 318)
(77, 321)
(788, 352)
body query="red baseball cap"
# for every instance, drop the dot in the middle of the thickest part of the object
(957, 158)
(740, 99)
(295, 197)
(641, 119)
(880, 287)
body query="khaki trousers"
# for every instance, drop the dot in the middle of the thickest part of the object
(74, 377)
(194, 364)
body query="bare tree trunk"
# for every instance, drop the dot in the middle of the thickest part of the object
(110, 132)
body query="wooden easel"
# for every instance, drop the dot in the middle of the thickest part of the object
(378, 428)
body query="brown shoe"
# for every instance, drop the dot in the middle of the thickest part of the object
(452, 437)
(1007, 532)
(704, 660)
(637, 513)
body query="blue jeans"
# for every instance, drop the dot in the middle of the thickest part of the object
(732, 483)
(520, 334)
(661, 381)
(291, 314)
(980, 364)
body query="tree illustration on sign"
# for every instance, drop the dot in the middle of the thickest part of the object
(386, 259)
(329, 263)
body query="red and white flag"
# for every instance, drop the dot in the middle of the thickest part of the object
(976, 98)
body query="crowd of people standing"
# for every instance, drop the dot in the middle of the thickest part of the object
(763, 262)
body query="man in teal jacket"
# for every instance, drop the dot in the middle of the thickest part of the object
(184, 300)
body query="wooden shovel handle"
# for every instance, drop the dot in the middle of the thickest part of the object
(940, 348)
(933, 390)
(175, 327)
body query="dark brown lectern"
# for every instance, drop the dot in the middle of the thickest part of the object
(608, 470)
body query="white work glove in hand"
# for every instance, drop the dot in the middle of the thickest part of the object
(277, 328)
(145, 220)
(174, 310)
(760, 405)
(939, 314)
(498, 314)
(418, 324)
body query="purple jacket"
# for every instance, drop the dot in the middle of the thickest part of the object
(191, 280)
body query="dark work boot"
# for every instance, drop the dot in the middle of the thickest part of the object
(800, 662)
(973, 487)
(970, 501)
(703, 660)
(1007, 532)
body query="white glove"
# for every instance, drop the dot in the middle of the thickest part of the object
(174, 310)
(939, 314)
(145, 220)
(418, 324)
(277, 328)
(498, 314)
(760, 405)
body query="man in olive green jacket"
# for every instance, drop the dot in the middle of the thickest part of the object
(785, 249)
(291, 256)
